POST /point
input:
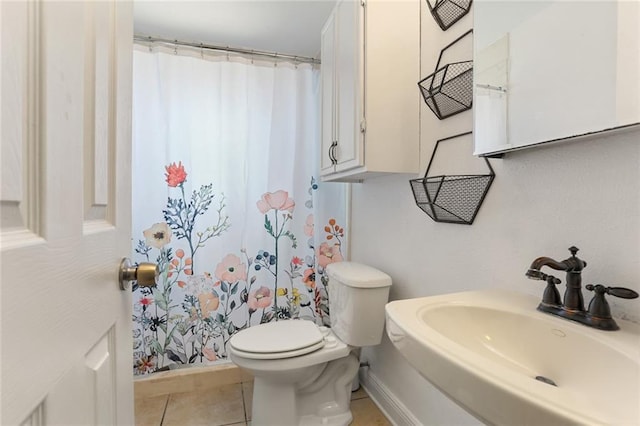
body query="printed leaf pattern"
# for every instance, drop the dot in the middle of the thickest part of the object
(191, 314)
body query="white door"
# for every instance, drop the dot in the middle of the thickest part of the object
(65, 212)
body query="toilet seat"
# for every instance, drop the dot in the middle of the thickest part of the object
(278, 340)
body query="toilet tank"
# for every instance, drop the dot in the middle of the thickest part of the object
(357, 295)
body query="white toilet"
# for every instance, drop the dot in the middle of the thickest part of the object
(303, 372)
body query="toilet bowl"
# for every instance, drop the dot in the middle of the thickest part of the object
(303, 372)
(287, 385)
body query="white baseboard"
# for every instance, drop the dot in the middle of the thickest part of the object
(389, 404)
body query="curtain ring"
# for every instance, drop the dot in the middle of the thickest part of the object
(201, 51)
(275, 63)
(251, 56)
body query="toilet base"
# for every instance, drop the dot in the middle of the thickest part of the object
(324, 400)
(338, 420)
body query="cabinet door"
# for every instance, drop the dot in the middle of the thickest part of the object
(349, 49)
(574, 78)
(328, 110)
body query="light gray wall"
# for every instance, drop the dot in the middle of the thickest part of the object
(543, 200)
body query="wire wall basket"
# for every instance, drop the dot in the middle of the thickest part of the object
(449, 90)
(451, 198)
(448, 12)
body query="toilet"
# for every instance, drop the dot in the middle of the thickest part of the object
(303, 372)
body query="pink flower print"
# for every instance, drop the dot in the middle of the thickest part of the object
(328, 254)
(146, 364)
(209, 302)
(297, 261)
(146, 301)
(261, 298)
(188, 268)
(333, 230)
(209, 353)
(278, 200)
(309, 278)
(175, 174)
(231, 269)
(308, 226)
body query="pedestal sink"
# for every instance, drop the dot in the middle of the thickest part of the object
(507, 364)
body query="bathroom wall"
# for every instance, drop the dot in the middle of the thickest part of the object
(543, 200)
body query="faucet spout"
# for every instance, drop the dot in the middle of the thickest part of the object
(573, 266)
(534, 272)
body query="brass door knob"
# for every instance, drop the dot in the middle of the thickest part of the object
(145, 273)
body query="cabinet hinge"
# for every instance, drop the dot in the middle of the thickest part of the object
(363, 126)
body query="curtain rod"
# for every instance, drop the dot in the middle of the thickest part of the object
(272, 55)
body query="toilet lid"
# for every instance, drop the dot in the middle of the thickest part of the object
(274, 338)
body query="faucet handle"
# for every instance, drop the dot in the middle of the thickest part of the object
(624, 293)
(551, 295)
(599, 307)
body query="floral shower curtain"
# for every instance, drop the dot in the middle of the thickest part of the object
(227, 202)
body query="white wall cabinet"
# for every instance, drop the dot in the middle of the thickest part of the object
(370, 101)
(562, 70)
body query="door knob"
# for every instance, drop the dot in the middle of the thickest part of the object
(145, 273)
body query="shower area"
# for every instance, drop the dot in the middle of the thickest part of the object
(227, 200)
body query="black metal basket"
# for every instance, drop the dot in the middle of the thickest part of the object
(451, 198)
(448, 12)
(449, 90)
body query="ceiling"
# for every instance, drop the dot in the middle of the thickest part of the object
(289, 27)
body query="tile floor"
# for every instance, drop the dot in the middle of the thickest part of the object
(229, 405)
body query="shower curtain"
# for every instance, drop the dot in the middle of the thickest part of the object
(226, 201)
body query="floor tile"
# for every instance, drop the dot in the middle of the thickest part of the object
(366, 413)
(359, 394)
(219, 406)
(149, 411)
(247, 394)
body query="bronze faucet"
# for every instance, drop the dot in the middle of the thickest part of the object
(598, 315)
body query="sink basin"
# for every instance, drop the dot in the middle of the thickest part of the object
(506, 363)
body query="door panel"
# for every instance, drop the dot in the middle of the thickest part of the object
(18, 151)
(90, 383)
(65, 204)
(99, 132)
